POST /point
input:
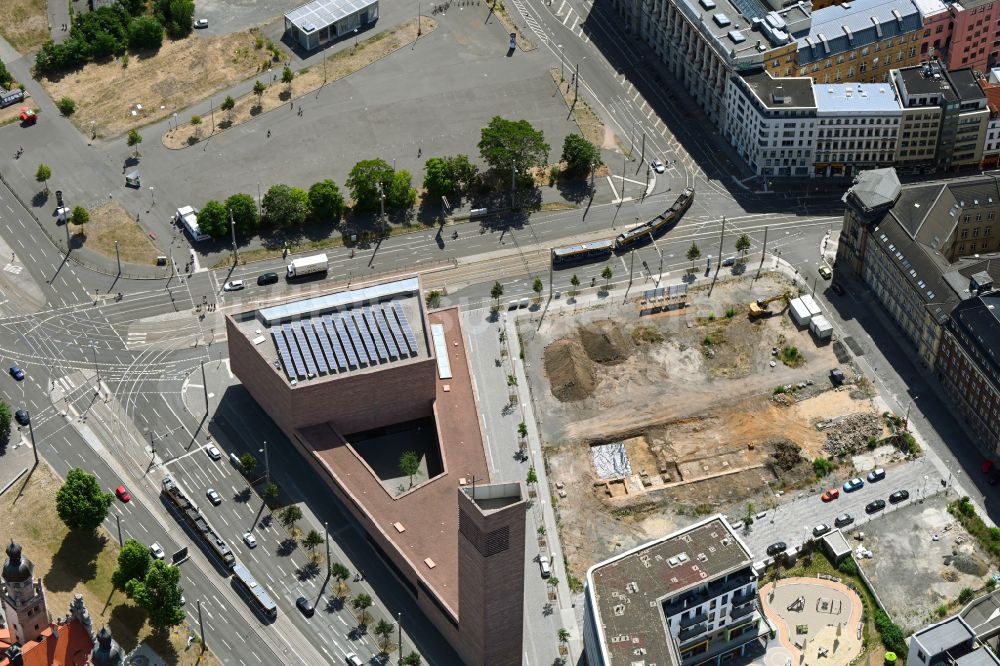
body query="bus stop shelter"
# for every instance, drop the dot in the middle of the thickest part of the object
(321, 21)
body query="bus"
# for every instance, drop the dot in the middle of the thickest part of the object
(593, 251)
(256, 596)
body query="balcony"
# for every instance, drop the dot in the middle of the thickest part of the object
(691, 632)
(743, 611)
(697, 618)
(741, 598)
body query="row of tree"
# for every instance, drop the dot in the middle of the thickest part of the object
(111, 31)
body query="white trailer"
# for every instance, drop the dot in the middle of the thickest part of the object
(811, 304)
(187, 217)
(821, 327)
(799, 311)
(317, 263)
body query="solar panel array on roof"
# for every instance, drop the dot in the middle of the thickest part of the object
(352, 358)
(303, 347)
(388, 320)
(359, 347)
(386, 333)
(334, 342)
(300, 366)
(286, 358)
(373, 334)
(411, 339)
(324, 343)
(321, 13)
(314, 346)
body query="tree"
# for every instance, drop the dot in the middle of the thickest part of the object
(743, 244)
(512, 143)
(287, 76)
(401, 195)
(409, 464)
(133, 563)
(580, 155)
(693, 253)
(66, 106)
(259, 89)
(159, 593)
(80, 216)
(367, 181)
(290, 515)
(80, 502)
(464, 173)
(384, 630)
(228, 105)
(532, 477)
(537, 287)
(177, 16)
(5, 417)
(313, 539)
(248, 462)
(285, 206)
(563, 636)
(245, 215)
(325, 201)
(134, 139)
(270, 491)
(362, 603)
(43, 174)
(496, 292)
(607, 274)
(437, 178)
(412, 659)
(213, 219)
(522, 429)
(5, 78)
(575, 282)
(341, 574)
(145, 32)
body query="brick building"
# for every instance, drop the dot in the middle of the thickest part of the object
(350, 375)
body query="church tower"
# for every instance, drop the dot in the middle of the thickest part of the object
(23, 598)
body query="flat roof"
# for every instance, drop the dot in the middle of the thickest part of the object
(352, 331)
(319, 14)
(627, 591)
(856, 98)
(728, 25)
(927, 79)
(944, 635)
(983, 614)
(428, 513)
(839, 28)
(796, 92)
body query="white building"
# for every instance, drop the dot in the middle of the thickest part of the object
(771, 123)
(687, 598)
(857, 127)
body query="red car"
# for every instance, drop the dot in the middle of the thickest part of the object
(830, 495)
(122, 494)
(987, 466)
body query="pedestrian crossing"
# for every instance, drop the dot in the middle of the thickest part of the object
(530, 21)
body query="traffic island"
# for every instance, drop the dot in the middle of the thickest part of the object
(276, 93)
(112, 229)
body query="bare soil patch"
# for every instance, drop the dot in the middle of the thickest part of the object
(341, 64)
(181, 73)
(23, 23)
(109, 223)
(69, 564)
(569, 370)
(591, 127)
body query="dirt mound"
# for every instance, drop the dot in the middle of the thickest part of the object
(851, 433)
(605, 342)
(785, 454)
(969, 564)
(569, 370)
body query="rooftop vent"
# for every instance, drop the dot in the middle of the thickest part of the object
(778, 95)
(707, 4)
(721, 19)
(683, 557)
(673, 561)
(878, 26)
(980, 282)
(702, 557)
(737, 37)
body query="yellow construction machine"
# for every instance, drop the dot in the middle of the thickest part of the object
(759, 307)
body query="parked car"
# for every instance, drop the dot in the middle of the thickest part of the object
(354, 660)
(899, 496)
(16, 372)
(213, 452)
(543, 563)
(305, 606)
(729, 261)
(830, 495)
(122, 494)
(837, 288)
(234, 285)
(201, 23)
(657, 166)
(266, 278)
(821, 529)
(837, 377)
(825, 272)
(854, 484)
(987, 466)
(250, 540)
(875, 507)
(776, 547)
(156, 551)
(22, 417)
(213, 496)
(876, 474)
(843, 520)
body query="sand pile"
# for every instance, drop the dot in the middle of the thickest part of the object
(569, 370)
(605, 342)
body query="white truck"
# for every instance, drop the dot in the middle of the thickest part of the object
(317, 263)
(187, 217)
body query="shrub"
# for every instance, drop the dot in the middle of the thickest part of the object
(848, 566)
(966, 507)
(991, 583)
(941, 610)
(730, 313)
(965, 596)
(779, 390)
(822, 467)
(892, 635)
(66, 106)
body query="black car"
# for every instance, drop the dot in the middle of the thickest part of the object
(266, 278)
(843, 520)
(875, 507)
(22, 417)
(305, 606)
(899, 496)
(837, 289)
(776, 547)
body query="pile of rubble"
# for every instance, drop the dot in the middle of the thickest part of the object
(851, 433)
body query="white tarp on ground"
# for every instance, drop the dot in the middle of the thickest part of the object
(611, 460)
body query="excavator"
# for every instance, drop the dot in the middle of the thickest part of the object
(758, 308)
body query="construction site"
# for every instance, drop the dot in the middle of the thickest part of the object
(654, 417)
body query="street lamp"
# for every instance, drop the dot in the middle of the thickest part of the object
(175, 121)
(562, 71)
(119, 258)
(31, 432)
(513, 185)
(267, 464)
(152, 194)
(236, 254)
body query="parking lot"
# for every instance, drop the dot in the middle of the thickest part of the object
(793, 522)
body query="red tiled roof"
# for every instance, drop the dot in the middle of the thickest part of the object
(992, 91)
(71, 648)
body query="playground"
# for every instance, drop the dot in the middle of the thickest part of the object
(818, 620)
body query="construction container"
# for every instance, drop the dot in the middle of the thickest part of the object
(799, 311)
(821, 327)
